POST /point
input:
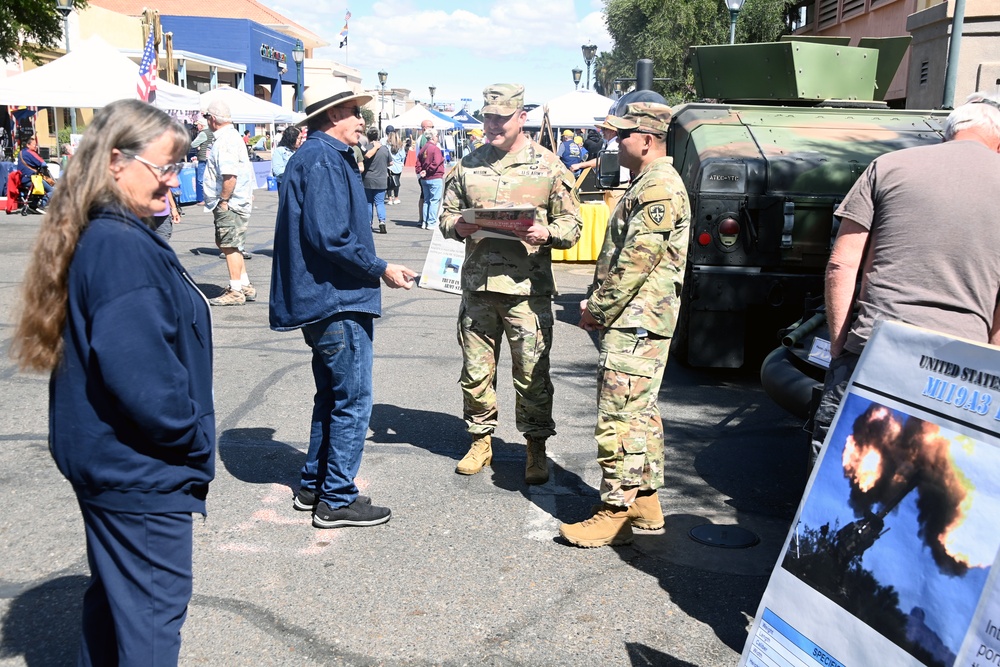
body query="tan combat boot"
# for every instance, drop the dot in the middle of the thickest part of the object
(608, 527)
(480, 454)
(536, 469)
(645, 512)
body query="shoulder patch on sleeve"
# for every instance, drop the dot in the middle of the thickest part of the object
(657, 208)
(652, 194)
(658, 216)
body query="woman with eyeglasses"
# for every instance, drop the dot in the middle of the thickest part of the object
(109, 312)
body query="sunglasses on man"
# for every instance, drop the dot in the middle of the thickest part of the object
(625, 134)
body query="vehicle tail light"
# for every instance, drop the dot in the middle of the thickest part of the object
(729, 232)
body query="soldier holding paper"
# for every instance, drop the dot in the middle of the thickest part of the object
(507, 285)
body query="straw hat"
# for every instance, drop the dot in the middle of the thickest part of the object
(330, 93)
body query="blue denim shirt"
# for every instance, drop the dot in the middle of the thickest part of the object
(324, 253)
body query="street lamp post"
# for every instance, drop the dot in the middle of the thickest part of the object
(432, 89)
(298, 55)
(589, 53)
(382, 76)
(577, 73)
(65, 7)
(734, 9)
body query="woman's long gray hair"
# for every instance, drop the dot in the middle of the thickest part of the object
(87, 184)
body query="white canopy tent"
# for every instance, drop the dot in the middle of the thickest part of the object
(246, 108)
(90, 76)
(411, 120)
(576, 109)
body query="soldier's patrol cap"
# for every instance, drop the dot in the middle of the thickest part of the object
(503, 99)
(642, 115)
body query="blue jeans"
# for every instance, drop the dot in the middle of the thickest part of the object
(140, 586)
(200, 180)
(342, 368)
(432, 201)
(376, 198)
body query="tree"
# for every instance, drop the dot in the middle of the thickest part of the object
(664, 31)
(368, 117)
(29, 27)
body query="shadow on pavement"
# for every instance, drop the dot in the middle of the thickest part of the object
(252, 455)
(641, 655)
(42, 624)
(438, 433)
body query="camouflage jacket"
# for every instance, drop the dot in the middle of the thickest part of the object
(488, 178)
(641, 267)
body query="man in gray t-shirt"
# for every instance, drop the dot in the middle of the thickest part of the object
(921, 225)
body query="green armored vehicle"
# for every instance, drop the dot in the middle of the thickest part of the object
(794, 125)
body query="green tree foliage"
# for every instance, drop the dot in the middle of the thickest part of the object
(664, 31)
(28, 27)
(368, 117)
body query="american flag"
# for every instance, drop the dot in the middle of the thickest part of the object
(146, 87)
(343, 33)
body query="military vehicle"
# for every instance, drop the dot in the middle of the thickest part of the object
(791, 126)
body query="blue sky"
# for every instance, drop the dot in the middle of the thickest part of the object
(459, 47)
(899, 558)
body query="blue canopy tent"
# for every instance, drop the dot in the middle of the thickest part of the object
(456, 125)
(466, 119)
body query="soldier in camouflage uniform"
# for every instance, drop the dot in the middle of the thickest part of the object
(507, 284)
(633, 304)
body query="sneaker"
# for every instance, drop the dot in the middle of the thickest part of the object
(381, 228)
(250, 292)
(306, 499)
(230, 297)
(356, 514)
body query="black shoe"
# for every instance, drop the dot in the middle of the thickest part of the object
(355, 514)
(306, 499)
(381, 228)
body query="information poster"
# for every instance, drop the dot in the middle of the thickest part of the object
(443, 265)
(890, 558)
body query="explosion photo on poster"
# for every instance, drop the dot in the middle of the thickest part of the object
(899, 527)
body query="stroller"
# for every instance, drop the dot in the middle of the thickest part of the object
(23, 191)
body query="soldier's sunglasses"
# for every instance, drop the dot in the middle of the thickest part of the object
(625, 134)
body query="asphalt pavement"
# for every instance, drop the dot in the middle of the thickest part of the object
(470, 570)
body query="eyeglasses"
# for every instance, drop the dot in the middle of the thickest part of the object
(356, 112)
(166, 171)
(986, 100)
(625, 134)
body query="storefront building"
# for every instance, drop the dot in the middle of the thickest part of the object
(266, 54)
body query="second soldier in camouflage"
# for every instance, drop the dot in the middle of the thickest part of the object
(507, 285)
(634, 304)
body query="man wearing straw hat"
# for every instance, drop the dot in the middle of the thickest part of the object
(325, 281)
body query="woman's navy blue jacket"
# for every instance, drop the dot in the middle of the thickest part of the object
(131, 414)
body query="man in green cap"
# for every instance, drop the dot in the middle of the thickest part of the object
(507, 284)
(633, 303)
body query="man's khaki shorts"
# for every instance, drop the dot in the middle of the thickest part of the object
(230, 228)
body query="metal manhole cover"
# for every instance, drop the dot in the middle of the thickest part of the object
(725, 537)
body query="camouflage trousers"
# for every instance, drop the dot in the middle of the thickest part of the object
(629, 430)
(484, 319)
